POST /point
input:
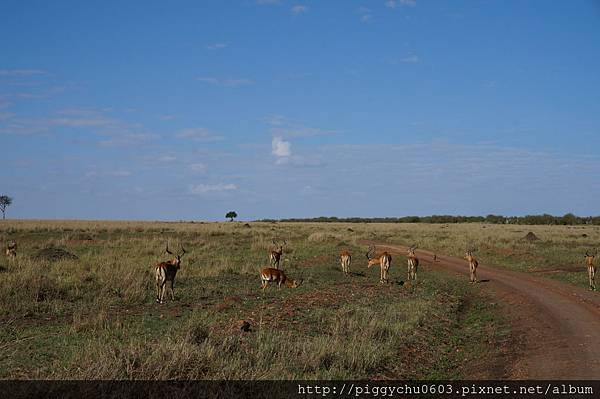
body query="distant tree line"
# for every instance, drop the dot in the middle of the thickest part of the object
(545, 219)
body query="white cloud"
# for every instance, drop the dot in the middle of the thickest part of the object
(128, 139)
(216, 46)
(197, 167)
(366, 15)
(228, 82)
(299, 9)
(22, 72)
(411, 59)
(166, 158)
(396, 3)
(281, 148)
(210, 188)
(114, 173)
(198, 134)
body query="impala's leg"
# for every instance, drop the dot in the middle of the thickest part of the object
(157, 290)
(172, 290)
(162, 291)
(591, 275)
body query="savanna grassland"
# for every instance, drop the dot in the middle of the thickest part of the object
(94, 316)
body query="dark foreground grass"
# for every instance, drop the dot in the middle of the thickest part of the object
(94, 317)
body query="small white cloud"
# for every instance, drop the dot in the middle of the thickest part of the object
(22, 72)
(281, 148)
(411, 59)
(198, 134)
(200, 189)
(228, 82)
(197, 167)
(167, 158)
(409, 3)
(216, 46)
(365, 13)
(128, 139)
(299, 9)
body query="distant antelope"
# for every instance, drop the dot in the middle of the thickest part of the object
(384, 260)
(413, 262)
(269, 275)
(166, 271)
(589, 260)
(275, 254)
(472, 266)
(11, 250)
(345, 259)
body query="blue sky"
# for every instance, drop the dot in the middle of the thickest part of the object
(186, 110)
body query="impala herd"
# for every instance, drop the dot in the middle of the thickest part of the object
(165, 272)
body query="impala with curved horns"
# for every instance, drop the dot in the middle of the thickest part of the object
(589, 260)
(345, 260)
(275, 254)
(413, 263)
(384, 260)
(166, 272)
(472, 265)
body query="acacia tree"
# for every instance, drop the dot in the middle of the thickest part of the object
(231, 215)
(5, 201)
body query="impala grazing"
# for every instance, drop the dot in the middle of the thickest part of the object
(11, 250)
(472, 266)
(345, 259)
(413, 263)
(589, 260)
(384, 260)
(166, 272)
(275, 254)
(269, 275)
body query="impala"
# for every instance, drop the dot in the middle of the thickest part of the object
(11, 250)
(269, 275)
(345, 259)
(166, 272)
(384, 260)
(413, 262)
(589, 260)
(275, 254)
(472, 266)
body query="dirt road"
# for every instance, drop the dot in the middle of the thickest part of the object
(557, 325)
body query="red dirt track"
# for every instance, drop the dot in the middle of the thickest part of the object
(557, 325)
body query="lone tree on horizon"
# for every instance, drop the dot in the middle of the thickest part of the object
(5, 201)
(231, 215)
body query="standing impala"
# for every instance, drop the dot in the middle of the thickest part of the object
(589, 260)
(472, 266)
(166, 271)
(11, 250)
(413, 262)
(345, 259)
(269, 275)
(384, 260)
(275, 254)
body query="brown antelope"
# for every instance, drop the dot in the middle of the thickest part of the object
(11, 250)
(166, 271)
(384, 260)
(269, 275)
(589, 260)
(413, 263)
(472, 266)
(275, 254)
(345, 259)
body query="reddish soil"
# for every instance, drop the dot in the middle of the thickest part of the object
(556, 325)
